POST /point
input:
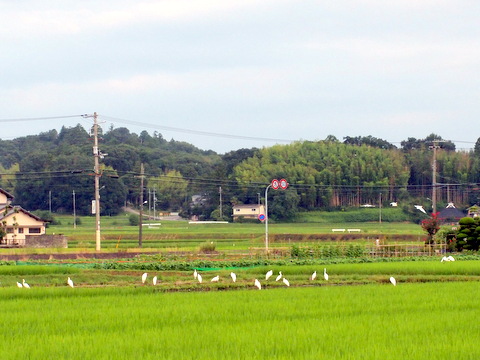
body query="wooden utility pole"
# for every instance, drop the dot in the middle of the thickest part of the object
(140, 222)
(74, 211)
(435, 146)
(96, 155)
(221, 212)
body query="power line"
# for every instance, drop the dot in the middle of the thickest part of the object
(196, 132)
(39, 118)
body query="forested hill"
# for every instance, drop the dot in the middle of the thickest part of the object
(52, 169)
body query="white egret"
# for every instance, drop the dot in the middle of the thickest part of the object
(234, 276)
(286, 282)
(268, 274)
(257, 284)
(19, 285)
(314, 275)
(70, 282)
(195, 274)
(449, 258)
(215, 279)
(199, 278)
(325, 275)
(25, 285)
(144, 278)
(420, 207)
(155, 280)
(393, 281)
(279, 276)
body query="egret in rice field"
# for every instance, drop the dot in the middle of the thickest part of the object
(449, 258)
(155, 280)
(234, 276)
(314, 276)
(215, 279)
(19, 285)
(144, 278)
(286, 282)
(268, 274)
(279, 276)
(195, 274)
(25, 285)
(257, 284)
(70, 282)
(325, 275)
(199, 278)
(393, 281)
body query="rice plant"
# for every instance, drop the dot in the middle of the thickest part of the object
(411, 321)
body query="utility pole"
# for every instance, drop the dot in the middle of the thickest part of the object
(74, 211)
(220, 191)
(149, 204)
(380, 207)
(96, 155)
(435, 146)
(140, 224)
(154, 201)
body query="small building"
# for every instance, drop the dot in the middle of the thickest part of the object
(247, 211)
(19, 227)
(450, 215)
(473, 211)
(17, 224)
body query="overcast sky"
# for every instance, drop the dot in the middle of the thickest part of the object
(276, 70)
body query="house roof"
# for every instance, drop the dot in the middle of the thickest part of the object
(6, 211)
(450, 213)
(246, 206)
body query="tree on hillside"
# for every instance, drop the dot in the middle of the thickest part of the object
(368, 141)
(171, 190)
(476, 149)
(284, 204)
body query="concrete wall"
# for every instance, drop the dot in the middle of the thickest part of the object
(46, 241)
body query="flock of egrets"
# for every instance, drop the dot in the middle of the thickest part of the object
(233, 276)
(256, 283)
(25, 285)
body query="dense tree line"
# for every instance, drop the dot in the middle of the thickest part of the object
(53, 170)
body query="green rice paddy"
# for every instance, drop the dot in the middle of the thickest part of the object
(431, 314)
(409, 321)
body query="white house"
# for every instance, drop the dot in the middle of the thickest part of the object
(248, 211)
(17, 223)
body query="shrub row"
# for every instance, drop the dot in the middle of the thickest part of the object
(319, 251)
(352, 256)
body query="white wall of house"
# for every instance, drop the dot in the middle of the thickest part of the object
(3, 199)
(250, 211)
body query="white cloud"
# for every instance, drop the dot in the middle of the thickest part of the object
(29, 20)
